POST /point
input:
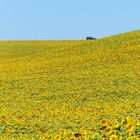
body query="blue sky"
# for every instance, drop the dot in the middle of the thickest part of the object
(67, 19)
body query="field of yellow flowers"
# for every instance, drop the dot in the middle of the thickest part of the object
(78, 90)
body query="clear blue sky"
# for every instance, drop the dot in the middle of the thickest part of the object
(67, 19)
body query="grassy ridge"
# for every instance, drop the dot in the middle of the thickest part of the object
(70, 89)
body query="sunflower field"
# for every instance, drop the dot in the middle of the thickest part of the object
(71, 90)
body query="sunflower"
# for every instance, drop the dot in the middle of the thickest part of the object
(113, 137)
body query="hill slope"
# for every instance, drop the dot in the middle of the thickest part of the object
(88, 89)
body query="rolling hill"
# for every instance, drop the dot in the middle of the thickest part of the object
(74, 89)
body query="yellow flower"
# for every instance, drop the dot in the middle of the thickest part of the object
(130, 127)
(113, 137)
(104, 122)
(116, 124)
(58, 137)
